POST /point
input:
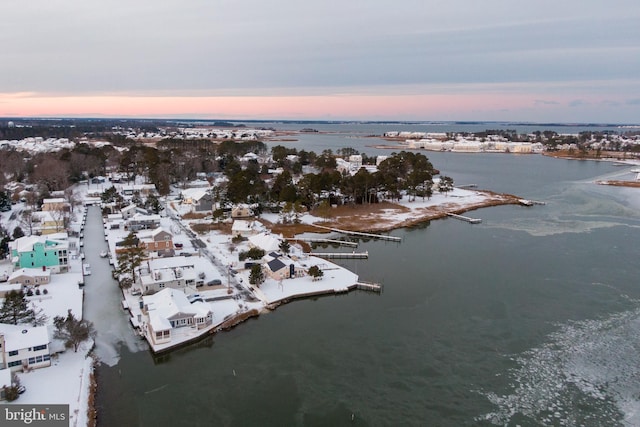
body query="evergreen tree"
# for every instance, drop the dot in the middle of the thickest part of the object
(15, 309)
(256, 277)
(315, 272)
(285, 247)
(129, 258)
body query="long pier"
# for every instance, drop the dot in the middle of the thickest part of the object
(465, 218)
(341, 255)
(359, 233)
(330, 241)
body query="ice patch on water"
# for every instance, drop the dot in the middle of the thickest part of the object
(108, 346)
(586, 374)
(553, 226)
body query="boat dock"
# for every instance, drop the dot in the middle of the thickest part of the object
(467, 186)
(367, 286)
(465, 218)
(330, 241)
(358, 233)
(526, 202)
(341, 255)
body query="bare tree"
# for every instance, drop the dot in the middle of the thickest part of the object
(28, 220)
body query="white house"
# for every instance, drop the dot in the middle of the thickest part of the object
(24, 346)
(174, 272)
(169, 310)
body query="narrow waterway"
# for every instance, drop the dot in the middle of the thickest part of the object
(102, 297)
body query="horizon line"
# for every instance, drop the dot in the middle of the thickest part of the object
(332, 121)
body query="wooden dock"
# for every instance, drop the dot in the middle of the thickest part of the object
(358, 233)
(341, 255)
(329, 241)
(367, 286)
(526, 202)
(465, 218)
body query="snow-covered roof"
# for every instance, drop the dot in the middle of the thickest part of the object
(267, 242)
(167, 303)
(242, 225)
(25, 244)
(195, 193)
(141, 217)
(150, 234)
(17, 337)
(53, 200)
(31, 272)
(169, 262)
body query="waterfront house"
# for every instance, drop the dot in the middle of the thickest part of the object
(173, 272)
(142, 222)
(170, 310)
(40, 251)
(30, 276)
(158, 240)
(24, 347)
(114, 221)
(128, 211)
(279, 268)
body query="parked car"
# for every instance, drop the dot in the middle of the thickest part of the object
(214, 282)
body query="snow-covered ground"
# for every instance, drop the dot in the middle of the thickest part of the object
(66, 381)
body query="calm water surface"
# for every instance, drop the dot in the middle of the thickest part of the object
(530, 318)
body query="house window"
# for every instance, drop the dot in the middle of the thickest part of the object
(167, 334)
(32, 360)
(161, 285)
(13, 353)
(159, 335)
(46, 357)
(40, 347)
(15, 363)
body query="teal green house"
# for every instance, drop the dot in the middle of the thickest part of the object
(40, 251)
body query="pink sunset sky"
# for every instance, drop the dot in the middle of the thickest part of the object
(473, 106)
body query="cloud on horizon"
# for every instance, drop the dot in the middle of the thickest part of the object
(290, 48)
